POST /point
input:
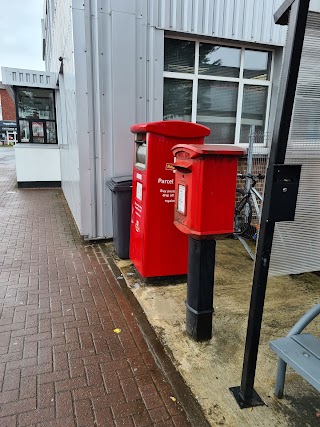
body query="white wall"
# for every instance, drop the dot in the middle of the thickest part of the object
(37, 162)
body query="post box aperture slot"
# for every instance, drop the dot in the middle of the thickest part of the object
(183, 166)
(141, 151)
(141, 154)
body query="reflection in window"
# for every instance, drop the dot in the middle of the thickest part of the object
(36, 104)
(51, 132)
(256, 65)
(253, 111)
(36, 115)
(219, 61)
(209, 88)
(37, 132)
(24, 131)
(217, 109)
(179, 56)
(177, 99)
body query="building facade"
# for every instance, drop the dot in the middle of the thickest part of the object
(110, 64)
(7, 107)
(124, 62)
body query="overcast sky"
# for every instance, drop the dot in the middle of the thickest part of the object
(20, 34)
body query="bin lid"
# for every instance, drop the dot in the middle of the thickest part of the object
(197, 150)
(120, 183)
(174, 128)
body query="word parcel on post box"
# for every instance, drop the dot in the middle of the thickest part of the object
(157, 248)
(205, 184)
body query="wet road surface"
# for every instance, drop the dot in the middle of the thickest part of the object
(7, 155)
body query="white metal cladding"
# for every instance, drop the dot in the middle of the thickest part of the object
(244, 20)
(29, 78)
(68, 135)
(123, 85)
(296, 247)
(58, 32)
(124, 44)
(57, 25)
(117, 78)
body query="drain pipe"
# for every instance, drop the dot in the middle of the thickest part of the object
(92, 118)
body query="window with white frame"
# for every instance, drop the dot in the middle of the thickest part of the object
(224, 88)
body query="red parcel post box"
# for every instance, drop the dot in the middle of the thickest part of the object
(157, 248)
(206, 177)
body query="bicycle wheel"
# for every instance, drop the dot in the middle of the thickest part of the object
(242, 213)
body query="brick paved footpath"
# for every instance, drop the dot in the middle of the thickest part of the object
(61, 362)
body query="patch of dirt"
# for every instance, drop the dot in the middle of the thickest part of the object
(211, 368)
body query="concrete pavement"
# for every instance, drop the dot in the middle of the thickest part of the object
(61, 361)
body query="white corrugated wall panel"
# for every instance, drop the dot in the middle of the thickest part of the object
(89, 96)
(141, 72)
(60, 43)
(69, 151)
(127, 75)
(103, 54)
(208, 17)
(124, 89)
(242, 20)
(296, 247)
(60, 14)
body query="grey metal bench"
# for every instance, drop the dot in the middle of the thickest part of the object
(300, 351)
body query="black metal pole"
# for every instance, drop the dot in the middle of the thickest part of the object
(246, 395)
(199, 304)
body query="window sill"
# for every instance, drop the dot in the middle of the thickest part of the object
(34, 145)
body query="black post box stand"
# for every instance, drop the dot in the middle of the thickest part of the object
(199, 304)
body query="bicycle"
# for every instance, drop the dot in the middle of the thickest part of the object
(243, 210)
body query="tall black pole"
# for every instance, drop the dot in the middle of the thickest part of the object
(245, 395)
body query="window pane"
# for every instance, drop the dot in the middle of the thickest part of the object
(257, 65)
(217, 109)
(177, 99)
(37, 132)
(24, 131)
(36, 104)
(253, 112)
(179, 56)
(219, 60)
(51, 133)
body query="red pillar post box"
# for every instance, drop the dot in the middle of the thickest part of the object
(157, 248)
(205, 181)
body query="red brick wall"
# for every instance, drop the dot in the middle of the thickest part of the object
(8, 107)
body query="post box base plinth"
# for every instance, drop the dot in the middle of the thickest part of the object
(198, 325)
(199, 304)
